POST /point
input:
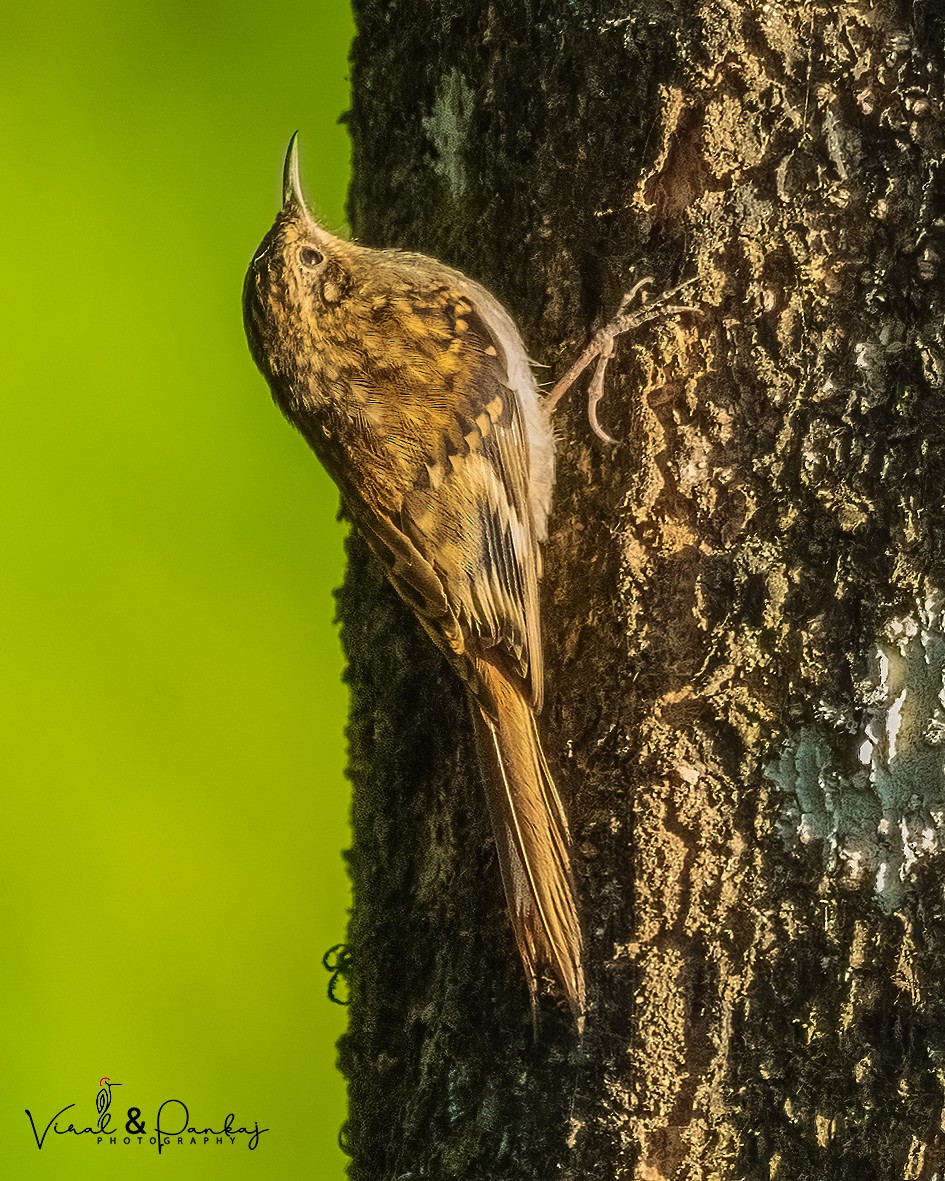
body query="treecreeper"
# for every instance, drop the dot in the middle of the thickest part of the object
(411, 384)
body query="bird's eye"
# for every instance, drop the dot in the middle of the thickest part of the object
(310, 258)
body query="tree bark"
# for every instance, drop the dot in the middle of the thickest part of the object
(743, 600)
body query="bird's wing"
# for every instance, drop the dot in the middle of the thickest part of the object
(459, 539)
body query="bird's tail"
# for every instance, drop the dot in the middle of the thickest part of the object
(531, 834)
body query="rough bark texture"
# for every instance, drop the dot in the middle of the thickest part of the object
(743, 600)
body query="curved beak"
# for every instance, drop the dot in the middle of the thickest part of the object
(292, 196)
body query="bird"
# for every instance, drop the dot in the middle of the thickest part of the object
(412, 385)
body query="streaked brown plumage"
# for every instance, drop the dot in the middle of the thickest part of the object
(411, 384)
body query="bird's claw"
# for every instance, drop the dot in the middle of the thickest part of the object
(601, 348)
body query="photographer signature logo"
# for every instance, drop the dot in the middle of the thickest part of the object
(170, 1125)
(103, 1100)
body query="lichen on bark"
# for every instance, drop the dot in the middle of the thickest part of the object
(742, 600)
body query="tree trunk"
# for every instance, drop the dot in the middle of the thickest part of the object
(743, 600)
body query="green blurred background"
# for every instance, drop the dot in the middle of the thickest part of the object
(172, 712)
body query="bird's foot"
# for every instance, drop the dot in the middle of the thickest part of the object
(601, 347)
